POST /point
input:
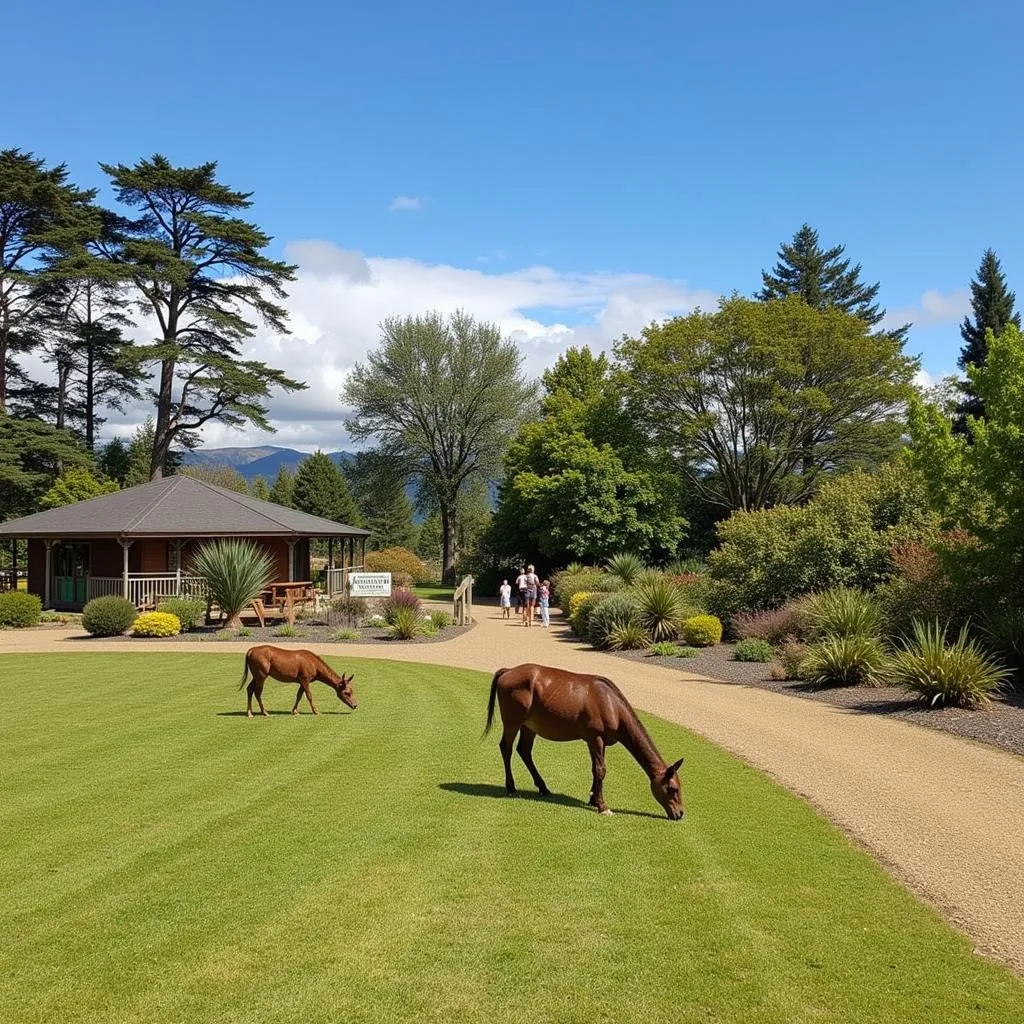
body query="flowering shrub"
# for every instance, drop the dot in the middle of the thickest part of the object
(156, 624)
(775, 625)
(399, 601)
(398, 562)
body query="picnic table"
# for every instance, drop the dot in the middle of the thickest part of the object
(292, 592)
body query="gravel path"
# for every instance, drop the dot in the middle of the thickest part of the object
(944, 815)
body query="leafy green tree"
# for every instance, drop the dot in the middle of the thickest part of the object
(992, 307)
(282, 490)
(220, 476)
(114, 460)
(430, 541)
(321, 490)
(199, 270)
(32, 456)
(259, 489)
(379, 492)
(822, 278)
(76, 484)
(442, 396)
(41, 215)
(760, 401)
(977, 481)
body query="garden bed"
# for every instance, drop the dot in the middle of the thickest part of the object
(1000, 724)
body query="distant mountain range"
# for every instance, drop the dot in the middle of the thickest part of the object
(253, 462)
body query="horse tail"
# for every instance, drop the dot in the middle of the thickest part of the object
(245, 671)
(492, 699)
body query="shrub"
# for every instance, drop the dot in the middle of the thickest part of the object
(20, 609)
(1002, 633)
(288, 630)
(845, 661)
(575, 601)
(156, 624)
(565, 583)
(667, 649)
(399, 601)
(398, 561)
(791, 656)
(188, 611)
(630, 636)
(626, 566)
(427, 628)
(942, 673)
(687, 652)
(753, 650)
(244, 631)
(614, 611)
(236, 572)
(662, 607)
(108, 616)
(775, 625)
(346, 634)
(405, 623)
(442, 620)
(843, 611)
(702, 631)
(686, 567)
(580, 622)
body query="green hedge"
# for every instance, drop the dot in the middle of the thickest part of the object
(19, 609)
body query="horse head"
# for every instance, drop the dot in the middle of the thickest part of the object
(343, 688)
(666, 790)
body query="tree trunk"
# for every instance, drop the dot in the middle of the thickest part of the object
(447, 545)
(3, 371)
(162, 438)
(90, 371)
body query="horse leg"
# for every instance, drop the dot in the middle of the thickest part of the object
(525, 749)
(304, 683)
(255, 689)
(597, 762)
(508, 737)
(298, 697)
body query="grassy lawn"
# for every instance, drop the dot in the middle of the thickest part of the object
(162, 858)
(434, 592)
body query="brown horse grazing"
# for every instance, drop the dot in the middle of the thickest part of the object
(557, 705)
(300, 667)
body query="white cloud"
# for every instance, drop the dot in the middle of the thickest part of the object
(933, 309)
(400, 203)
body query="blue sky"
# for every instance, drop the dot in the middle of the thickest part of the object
(565, 164)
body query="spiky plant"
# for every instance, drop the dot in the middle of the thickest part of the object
(661, 606)
(942, 673)
(844, 661)
(405, 624)
(843, 611)
(627, 566)
(236, 572)
(630, 636)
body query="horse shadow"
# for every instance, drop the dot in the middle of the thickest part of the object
(274, 712)
(484, 789)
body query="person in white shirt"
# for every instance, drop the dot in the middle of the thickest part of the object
(505, 594)
(521, 593)
(532, 585)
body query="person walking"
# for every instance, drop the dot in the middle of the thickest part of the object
(521, 593)
(543, 598)
(532, 585)
(505, 595)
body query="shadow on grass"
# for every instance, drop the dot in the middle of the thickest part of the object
(272, 712)
(498, 793)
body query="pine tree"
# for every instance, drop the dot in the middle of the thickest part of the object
(321, 490)
(259, 489)
(115, 461)
(282, 490)
(822, 279)
(992, 306)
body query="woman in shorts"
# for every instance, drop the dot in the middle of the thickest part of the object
(532, 585)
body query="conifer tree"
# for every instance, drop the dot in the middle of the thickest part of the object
(320, 490)
(259, 489)
(992, 307)
(282, 490)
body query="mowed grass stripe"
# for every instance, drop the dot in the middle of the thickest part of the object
(162, 858)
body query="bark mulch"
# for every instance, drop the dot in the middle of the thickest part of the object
(1000, 724)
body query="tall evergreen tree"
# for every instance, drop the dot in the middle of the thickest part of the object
(115, 461)
(992, 306)
(379, 491)
(822, 278)
(140, 455)
(41, 214)
(321, 490)
(199, 270)
(282, 490)
(259, 489)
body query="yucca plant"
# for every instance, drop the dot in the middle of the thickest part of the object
(626, 566)
(686, 567)
(630, 636)
(844, 611)
(661, 607)
(236, 572)
(405, 624)
(844, 661)
(942, 673)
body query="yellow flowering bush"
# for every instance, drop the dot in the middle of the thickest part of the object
(157, 624)
(702, 631)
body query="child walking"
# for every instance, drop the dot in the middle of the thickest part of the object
(543, 596)
(505, 593)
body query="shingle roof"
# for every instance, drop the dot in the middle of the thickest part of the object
(177, 506)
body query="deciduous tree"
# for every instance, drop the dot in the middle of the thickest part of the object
(77, 484)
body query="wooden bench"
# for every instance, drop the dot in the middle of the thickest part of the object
(262, 612)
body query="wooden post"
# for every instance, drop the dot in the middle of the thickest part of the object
(125, 545)
(49, 572)
(291, 560)
(330, 565)
(14, 565)
(177, 563)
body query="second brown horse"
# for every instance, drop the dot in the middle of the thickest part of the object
(302, 667)
(557, 705)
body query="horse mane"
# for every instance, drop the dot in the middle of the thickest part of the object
(638, 727)
(320, 661)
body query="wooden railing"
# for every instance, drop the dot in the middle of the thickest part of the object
(334, 579)
(462, 602)
(146, 589)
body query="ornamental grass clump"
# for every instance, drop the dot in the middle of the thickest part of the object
(442, 620)
(775, 625)
(631, 636)
(702, 631)
(845, 661)
(667, 649)
(843, 611)
(345, 634)
(626, 566)
(19, 609)
(943, 673)
(661, 607)
(405, 623)
(399, 601)
(236, 571)
(108, 616)
(156, 624)
(613, 612)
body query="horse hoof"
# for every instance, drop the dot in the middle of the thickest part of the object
(607, 811)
